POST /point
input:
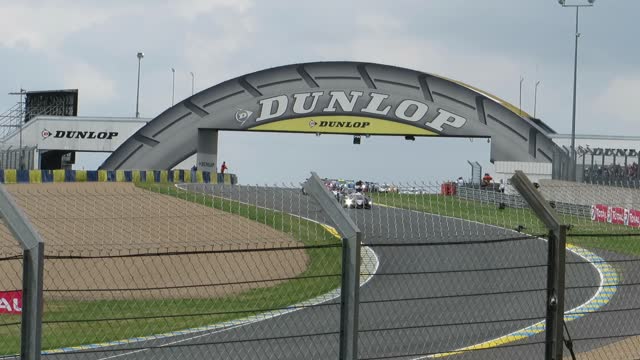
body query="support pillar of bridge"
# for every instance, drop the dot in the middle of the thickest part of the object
(207, 151)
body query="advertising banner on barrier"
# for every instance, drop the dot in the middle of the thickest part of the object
(632, 218)
(615, 215)
(11, 302)
(599, 212)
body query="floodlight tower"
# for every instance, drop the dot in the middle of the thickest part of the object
(173, 85)
(193, 81)
(140, 56)
(572, 166)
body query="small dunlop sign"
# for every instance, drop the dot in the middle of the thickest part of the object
(343, 125)
(11, 302)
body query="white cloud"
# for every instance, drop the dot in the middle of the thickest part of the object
(213, 56)
(619, 100)
(190, 9)
(391, 45)
(94, 86)
(42, 26)
(378, 24)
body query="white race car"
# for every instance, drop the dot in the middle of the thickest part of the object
(356, 200)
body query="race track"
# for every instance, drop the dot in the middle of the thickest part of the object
(402, 316)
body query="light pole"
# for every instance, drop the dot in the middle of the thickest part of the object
(140, 56)
(572, 166)
(173, 85)
(535, 99)
(20, 122)
(193, 81)
(520, 105)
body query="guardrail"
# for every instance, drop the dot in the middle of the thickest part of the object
(490, 196)
(517, 202)
(12, 176)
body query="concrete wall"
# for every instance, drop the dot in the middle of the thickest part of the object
(588, 194)
(534, 170)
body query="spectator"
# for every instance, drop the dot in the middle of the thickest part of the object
(502, 186)
(224, 167)
(611, 172)
(460, 182)
(487, 180)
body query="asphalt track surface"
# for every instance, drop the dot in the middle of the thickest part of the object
(401, 316)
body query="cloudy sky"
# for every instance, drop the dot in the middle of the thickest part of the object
(92, 45)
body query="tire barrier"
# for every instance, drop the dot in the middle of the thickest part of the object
(12, 176)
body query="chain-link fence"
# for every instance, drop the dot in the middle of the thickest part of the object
(11, 263)
(609, 238)
(449, 286)
(157, 270)
(254, 272)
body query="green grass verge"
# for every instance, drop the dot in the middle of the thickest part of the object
(458, 208)
(187, 313)
(624, 240)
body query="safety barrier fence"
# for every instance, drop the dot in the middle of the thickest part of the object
(516, 201)
(12, 176)
(162, 271)
(490, 196)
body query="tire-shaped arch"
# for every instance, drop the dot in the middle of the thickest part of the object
(351, 96)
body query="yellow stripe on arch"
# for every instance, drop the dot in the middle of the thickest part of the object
(339, 124)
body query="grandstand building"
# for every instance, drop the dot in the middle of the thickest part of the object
(44, 131)
(606, 159)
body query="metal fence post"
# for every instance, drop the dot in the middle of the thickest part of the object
(349, 297)
(555, 292)
(556, 264)
(32, 285)
(352, 238)
(32, 280)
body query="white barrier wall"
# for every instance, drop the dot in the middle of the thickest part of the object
(99, 134)
(588, 194)
(536, 171)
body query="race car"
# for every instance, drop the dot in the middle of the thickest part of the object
(356, 200)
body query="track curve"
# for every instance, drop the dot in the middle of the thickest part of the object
(398, 303)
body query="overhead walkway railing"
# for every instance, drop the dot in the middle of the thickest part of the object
(10, 121)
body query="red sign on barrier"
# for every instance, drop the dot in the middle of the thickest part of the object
(599, 212)
(11, 302)
(616, 215)
(633, 218)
